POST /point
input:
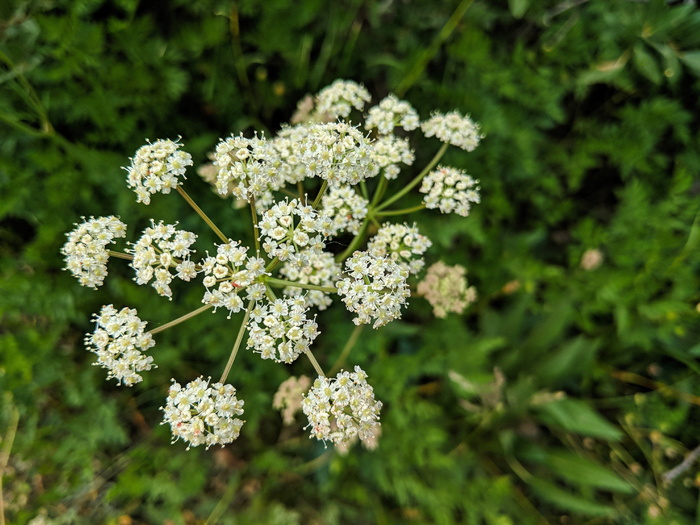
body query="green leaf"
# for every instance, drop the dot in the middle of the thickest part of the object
(692, 60)
(568, 501)
(576, 416)
(518, 7)
(646, 64)
(571, 360)
(583, 471)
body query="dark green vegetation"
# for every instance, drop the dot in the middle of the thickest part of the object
(562, 392)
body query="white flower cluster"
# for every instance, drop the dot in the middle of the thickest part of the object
(344, 209)
(453, 128)
(392, 112)
(335, 151)
(338, 99)
(281, 331)
(290, 230)
(119, 342)
(322, 270)
(375, 288)
(156, 167)
(403, 244)
(388, 151)
(86, 249)
(160, 250)
(203, 414)
(445, 288)
(289, 396)
(230, 272)
(342, 408)
(246, 166)
(451, 190)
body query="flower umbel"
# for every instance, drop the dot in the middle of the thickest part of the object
(453, 128)
(342, 408)
(86, 252)
(451, 190)
(119, 342)
(156, 168)
(445, 288)
(203, 414)
(374, 288)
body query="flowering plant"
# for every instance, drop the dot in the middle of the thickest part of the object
(290, 272)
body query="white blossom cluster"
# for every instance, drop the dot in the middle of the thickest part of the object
(344, 209)
(290, 230)
(374, 288)
(388, 151)
(281, 331)
(119, 341)
(338, 99)
(203, 414)
(86, 252)
(342, 408)
(403, 244)
(392, 112)
(446, 289)
(322, 270)
(451, 190)
(246, 167)
(453, 128)
(336, 151)
(289, 396)
(230, 272)
(156, 167)
(159, 251)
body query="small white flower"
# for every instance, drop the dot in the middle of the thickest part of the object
(453, 128)
(289, 230)
(388, 151)
(283, 331)
(343, 209)
(86, 252)
(157, 168)
(203, 414)
(160, 251)
(392, 112)
(403, 244)
(445, 288)
(342, 408)
(119, 342)
(322, 270)
(338, 99)
(375, 288)
(451, 190)
(229, 273)
(247, 167)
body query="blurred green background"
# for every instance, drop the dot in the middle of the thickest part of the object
(564, 395)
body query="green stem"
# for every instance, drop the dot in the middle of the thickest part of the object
(237, 344)
(399, 212)
(317, 201)
(203, 215)
(427, 55)
(379, 192)
(120, 255)
(180, 319)
(281, 282)
(346, 350)
(317, 367)
(355, 242)
(256, 232)
(300, 189)
(272, 264)
(418, 178)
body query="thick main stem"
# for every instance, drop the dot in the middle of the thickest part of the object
(120, 255)
(203, 215)
(180, 319)
(237, 344)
